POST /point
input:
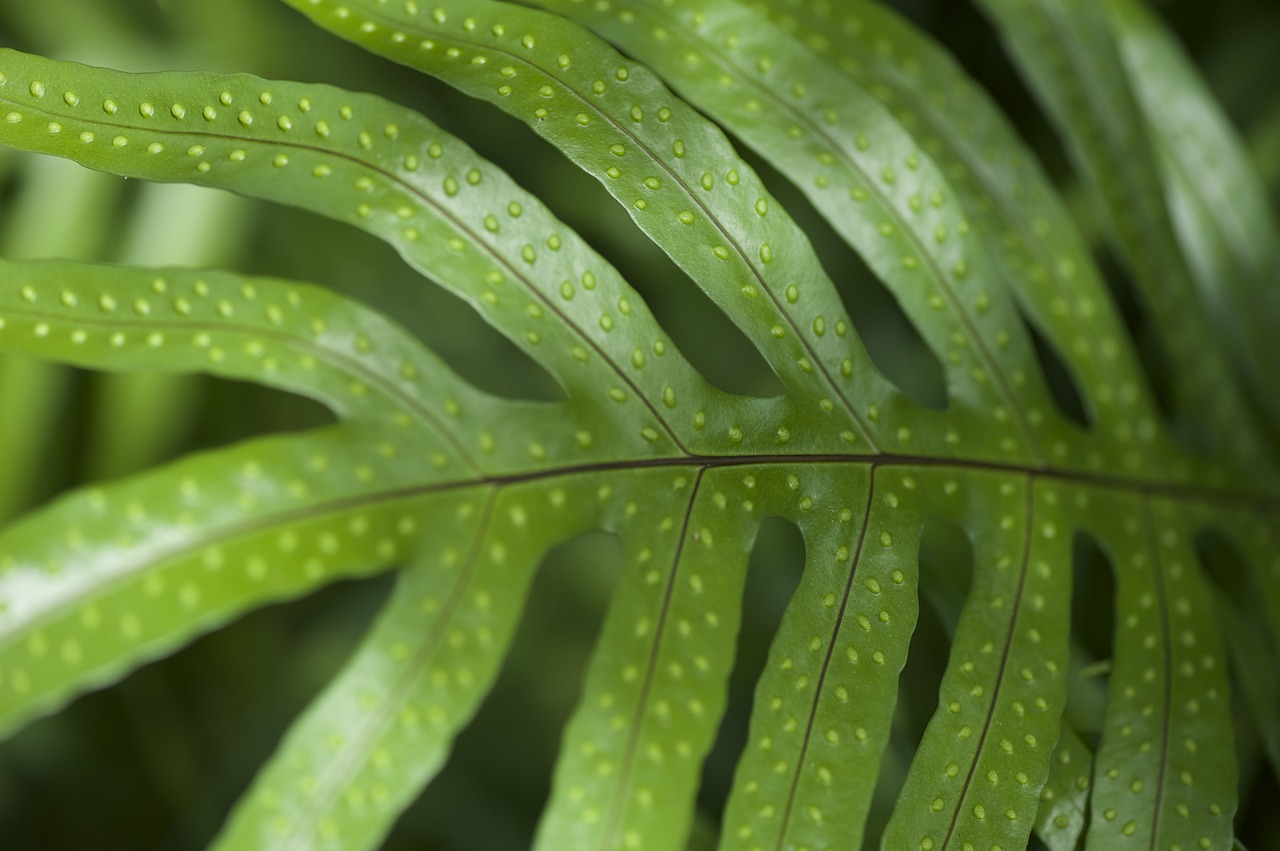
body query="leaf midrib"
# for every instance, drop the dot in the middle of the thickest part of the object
(1029, 513)
(1185, 492)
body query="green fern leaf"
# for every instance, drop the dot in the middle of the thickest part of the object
(916, 170)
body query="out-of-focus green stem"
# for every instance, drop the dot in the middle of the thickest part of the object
(140, 419)
(1264, 145)
(60, 210)
(30, 395)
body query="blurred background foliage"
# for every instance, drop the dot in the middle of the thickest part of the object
(156, 761)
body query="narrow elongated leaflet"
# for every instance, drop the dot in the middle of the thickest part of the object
(383, 727)
(978, 772)
(825, 701)
(1156, 781)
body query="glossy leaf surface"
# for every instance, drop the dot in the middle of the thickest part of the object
(917, 172)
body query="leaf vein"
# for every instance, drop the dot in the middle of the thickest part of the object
(1029, 514)
(789, 806)
(338, 769)
(609, 842)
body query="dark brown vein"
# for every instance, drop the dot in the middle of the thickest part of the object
(1166, 639)
(1255, 500)
(1028, 512)
(609, 842)
(826, 662)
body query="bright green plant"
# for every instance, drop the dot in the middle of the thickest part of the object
(913, 166)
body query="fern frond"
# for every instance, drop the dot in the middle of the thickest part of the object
(916, 170)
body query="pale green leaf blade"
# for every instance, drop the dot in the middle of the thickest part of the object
(677, 176)
(1159, 777)
(110, 577)
(1219, 206)
(825, 701)
(979, 769)
(382, 729)
(365, 161)
(1062, 817)
(292, 336)
(632, 754)
(1095, 110)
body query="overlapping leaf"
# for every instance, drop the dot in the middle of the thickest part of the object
(1071, 56)
(916, 171)
(1227, 229)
